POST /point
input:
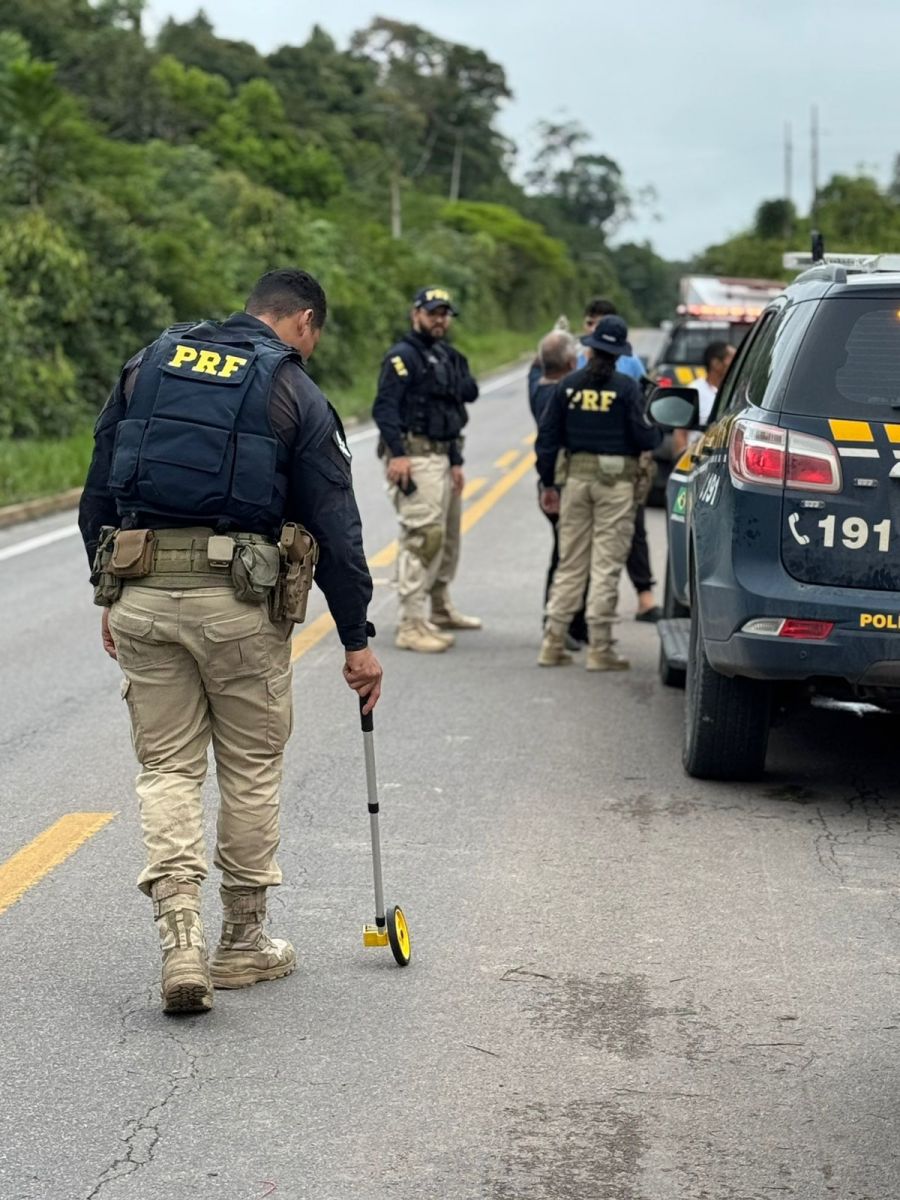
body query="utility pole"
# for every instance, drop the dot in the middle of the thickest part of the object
(396, 214)
(814, 157)
(788, 179)
(456, 169)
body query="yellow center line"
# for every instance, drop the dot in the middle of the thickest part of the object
(309, 637)
(530, 440)
(476, 511)
(506, 460)
(473, 486)
(384, 557)
(30, 864)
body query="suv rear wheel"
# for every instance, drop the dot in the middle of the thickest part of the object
(726, 721)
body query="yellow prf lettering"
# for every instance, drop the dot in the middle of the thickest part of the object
(233, 362)
(207, 363)
(606, 401)
(182, 354)
(589, 400)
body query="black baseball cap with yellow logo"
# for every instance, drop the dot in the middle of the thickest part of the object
(432, 298)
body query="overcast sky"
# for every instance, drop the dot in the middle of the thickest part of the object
(690, 97)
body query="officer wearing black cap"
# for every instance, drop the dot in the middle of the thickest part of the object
(420, 410)
(595, 416)
(213, 450)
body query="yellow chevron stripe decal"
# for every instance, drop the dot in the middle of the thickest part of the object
(852, 431)
(684, 375)
(893, 433)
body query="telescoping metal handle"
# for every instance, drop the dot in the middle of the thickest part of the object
(368, 727)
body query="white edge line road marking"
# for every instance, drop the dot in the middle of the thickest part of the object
(364, 435)
(35, 543)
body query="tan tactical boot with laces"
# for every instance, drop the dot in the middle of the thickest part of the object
(417, 635)
(443, 635)
(445, 616)
(186, 985)
(604, 658)
(246, 954)
(553, 650)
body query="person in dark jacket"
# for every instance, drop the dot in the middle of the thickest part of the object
(595, 416)
(424, 388)
(213, 445)
(557, 357)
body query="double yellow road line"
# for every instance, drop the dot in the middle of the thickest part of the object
(49, 849)
(322, 626)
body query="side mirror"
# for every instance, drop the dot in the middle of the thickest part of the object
(675, 407)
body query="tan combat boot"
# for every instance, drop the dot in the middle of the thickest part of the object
(553, 650)
(443, 635)
(186, 985)
(445, 616)
(416, 635)
(604, 658)
(245, 953)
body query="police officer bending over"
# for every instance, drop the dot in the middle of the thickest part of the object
(595, 416)
(220, 476)
(420, 411)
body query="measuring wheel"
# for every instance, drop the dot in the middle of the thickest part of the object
(391, 929)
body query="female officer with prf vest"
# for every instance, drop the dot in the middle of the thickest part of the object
(595, 418)
(214, 445)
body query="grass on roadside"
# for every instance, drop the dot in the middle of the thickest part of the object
(29, 469)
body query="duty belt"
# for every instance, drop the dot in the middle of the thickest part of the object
(415, 443)
(583, 465)
(180, 558)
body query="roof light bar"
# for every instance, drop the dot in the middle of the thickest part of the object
(800, 260)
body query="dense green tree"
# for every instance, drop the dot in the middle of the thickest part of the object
(195, 44)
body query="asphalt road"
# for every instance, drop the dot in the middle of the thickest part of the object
(627, 985)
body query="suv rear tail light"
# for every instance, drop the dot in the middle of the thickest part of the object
(789, 627)
(774, 457)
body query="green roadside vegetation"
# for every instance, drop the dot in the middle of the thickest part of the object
(147, 181)
(34, 467)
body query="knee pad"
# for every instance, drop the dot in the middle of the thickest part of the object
(426, 543)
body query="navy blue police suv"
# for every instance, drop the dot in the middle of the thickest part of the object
(783, 574)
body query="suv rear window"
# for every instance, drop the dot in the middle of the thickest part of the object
(849, 362)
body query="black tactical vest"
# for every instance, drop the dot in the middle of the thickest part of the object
(596, 420)
(433, 408)
(196, 443)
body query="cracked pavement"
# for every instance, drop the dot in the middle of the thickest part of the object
(627, 985)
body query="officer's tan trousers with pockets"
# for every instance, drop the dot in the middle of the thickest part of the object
(596, 525)
(202, 666)
(423, 532)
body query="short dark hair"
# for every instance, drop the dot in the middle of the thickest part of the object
(714, 350)
(286, 291)
(599, 306)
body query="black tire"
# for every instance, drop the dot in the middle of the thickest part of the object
(672, 606)
(398, 936)
(726, 720)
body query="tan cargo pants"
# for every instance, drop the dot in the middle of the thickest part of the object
(202, 666)
(596, 525)
(429, 534)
